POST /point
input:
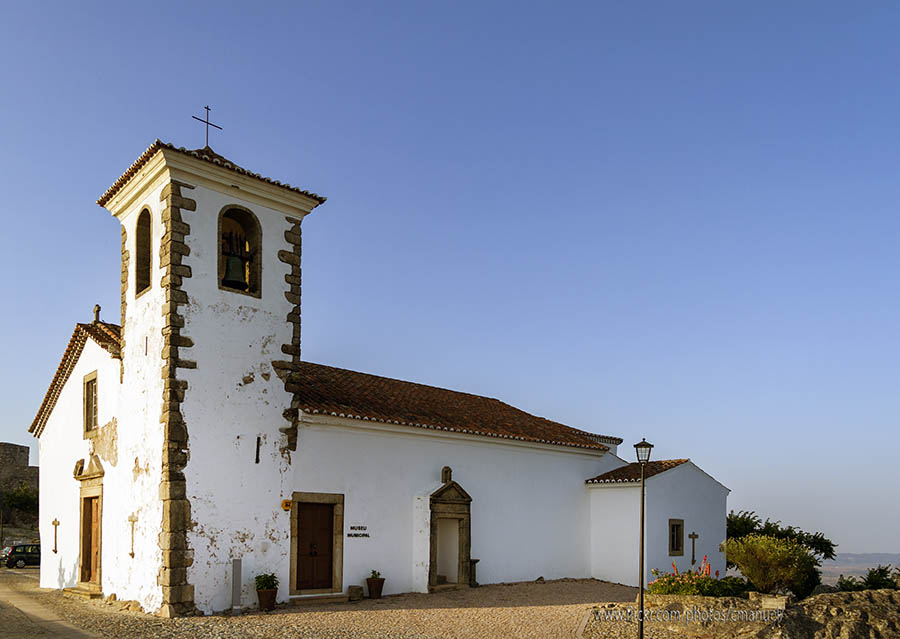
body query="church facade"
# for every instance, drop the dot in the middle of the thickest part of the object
(189, 448)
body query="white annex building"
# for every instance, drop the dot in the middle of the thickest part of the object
(190, 448)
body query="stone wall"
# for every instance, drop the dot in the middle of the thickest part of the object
(14, 468)
(14, 472)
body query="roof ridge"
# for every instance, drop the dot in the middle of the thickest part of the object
(628, 474)
(207, 155)
(80, 334)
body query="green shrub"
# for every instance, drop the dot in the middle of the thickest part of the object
(22, 498)
(774, 565)
(849, 584)
(880, 577)
(266, 581)
(743, 523)
(733, 586)
(875, 579)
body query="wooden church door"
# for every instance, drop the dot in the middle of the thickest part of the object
(315, 546)
(90, 540)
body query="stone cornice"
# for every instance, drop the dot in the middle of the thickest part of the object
(204, 165)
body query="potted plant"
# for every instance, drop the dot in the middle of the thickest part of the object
(266, 590)
(375, 582)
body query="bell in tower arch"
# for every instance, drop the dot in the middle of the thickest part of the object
(235, 273)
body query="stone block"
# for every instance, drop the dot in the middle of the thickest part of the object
(182, 270)
(175, 295)
(172, 490)
(172, 541)
(178, 594)
(175, 431)
(167, 611)
(289, 258)
(171, 576)
(290, 349)
(178, 558)
(183, 202)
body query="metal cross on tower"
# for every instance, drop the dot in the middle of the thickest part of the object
(207, 123)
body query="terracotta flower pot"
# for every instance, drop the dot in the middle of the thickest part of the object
(376, 585)
(267, 598)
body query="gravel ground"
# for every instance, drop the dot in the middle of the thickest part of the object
(524, 610)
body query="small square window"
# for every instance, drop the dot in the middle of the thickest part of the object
(676, 537)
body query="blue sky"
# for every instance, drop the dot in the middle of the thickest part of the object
(666, 220)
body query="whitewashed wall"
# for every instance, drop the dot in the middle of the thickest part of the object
(134, 488)
(233, 397)
(131, 458)
(61, 445)
(529, 505)
(615, 520)
(684, 492)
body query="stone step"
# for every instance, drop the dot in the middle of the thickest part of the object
(83, 592)
(311, 600)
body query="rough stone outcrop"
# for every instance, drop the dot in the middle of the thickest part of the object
(870, 614)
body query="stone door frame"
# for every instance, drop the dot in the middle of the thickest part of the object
(91, 485)
(450, 501)
(337, 548)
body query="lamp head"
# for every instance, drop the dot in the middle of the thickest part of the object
(642, 448)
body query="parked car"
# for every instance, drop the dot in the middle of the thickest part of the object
(24, 555)
(4, 554)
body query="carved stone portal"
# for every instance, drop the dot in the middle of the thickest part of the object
(451, 530)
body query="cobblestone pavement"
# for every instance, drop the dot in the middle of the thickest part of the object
(525, 610)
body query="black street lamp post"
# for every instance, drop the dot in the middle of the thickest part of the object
(642, 448)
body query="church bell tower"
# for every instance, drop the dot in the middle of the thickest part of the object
(211, 326)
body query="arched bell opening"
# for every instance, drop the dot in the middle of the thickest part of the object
(240, 257)
(143, 253)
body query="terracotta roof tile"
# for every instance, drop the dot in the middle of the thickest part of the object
(631, 473)
(108, 336)
(343, 393)
(206, 154)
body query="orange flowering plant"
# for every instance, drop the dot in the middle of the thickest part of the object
(698, 582)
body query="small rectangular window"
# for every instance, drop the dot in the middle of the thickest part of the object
(90, 402)
(676, 537)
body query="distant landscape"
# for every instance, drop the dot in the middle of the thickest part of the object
(855, 564)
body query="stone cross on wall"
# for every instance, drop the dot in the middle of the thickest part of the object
(55, 523)
(693, 537)
(132, 518)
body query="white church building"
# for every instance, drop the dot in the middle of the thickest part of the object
(189, 448)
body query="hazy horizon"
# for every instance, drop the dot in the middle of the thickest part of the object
(671, 221)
